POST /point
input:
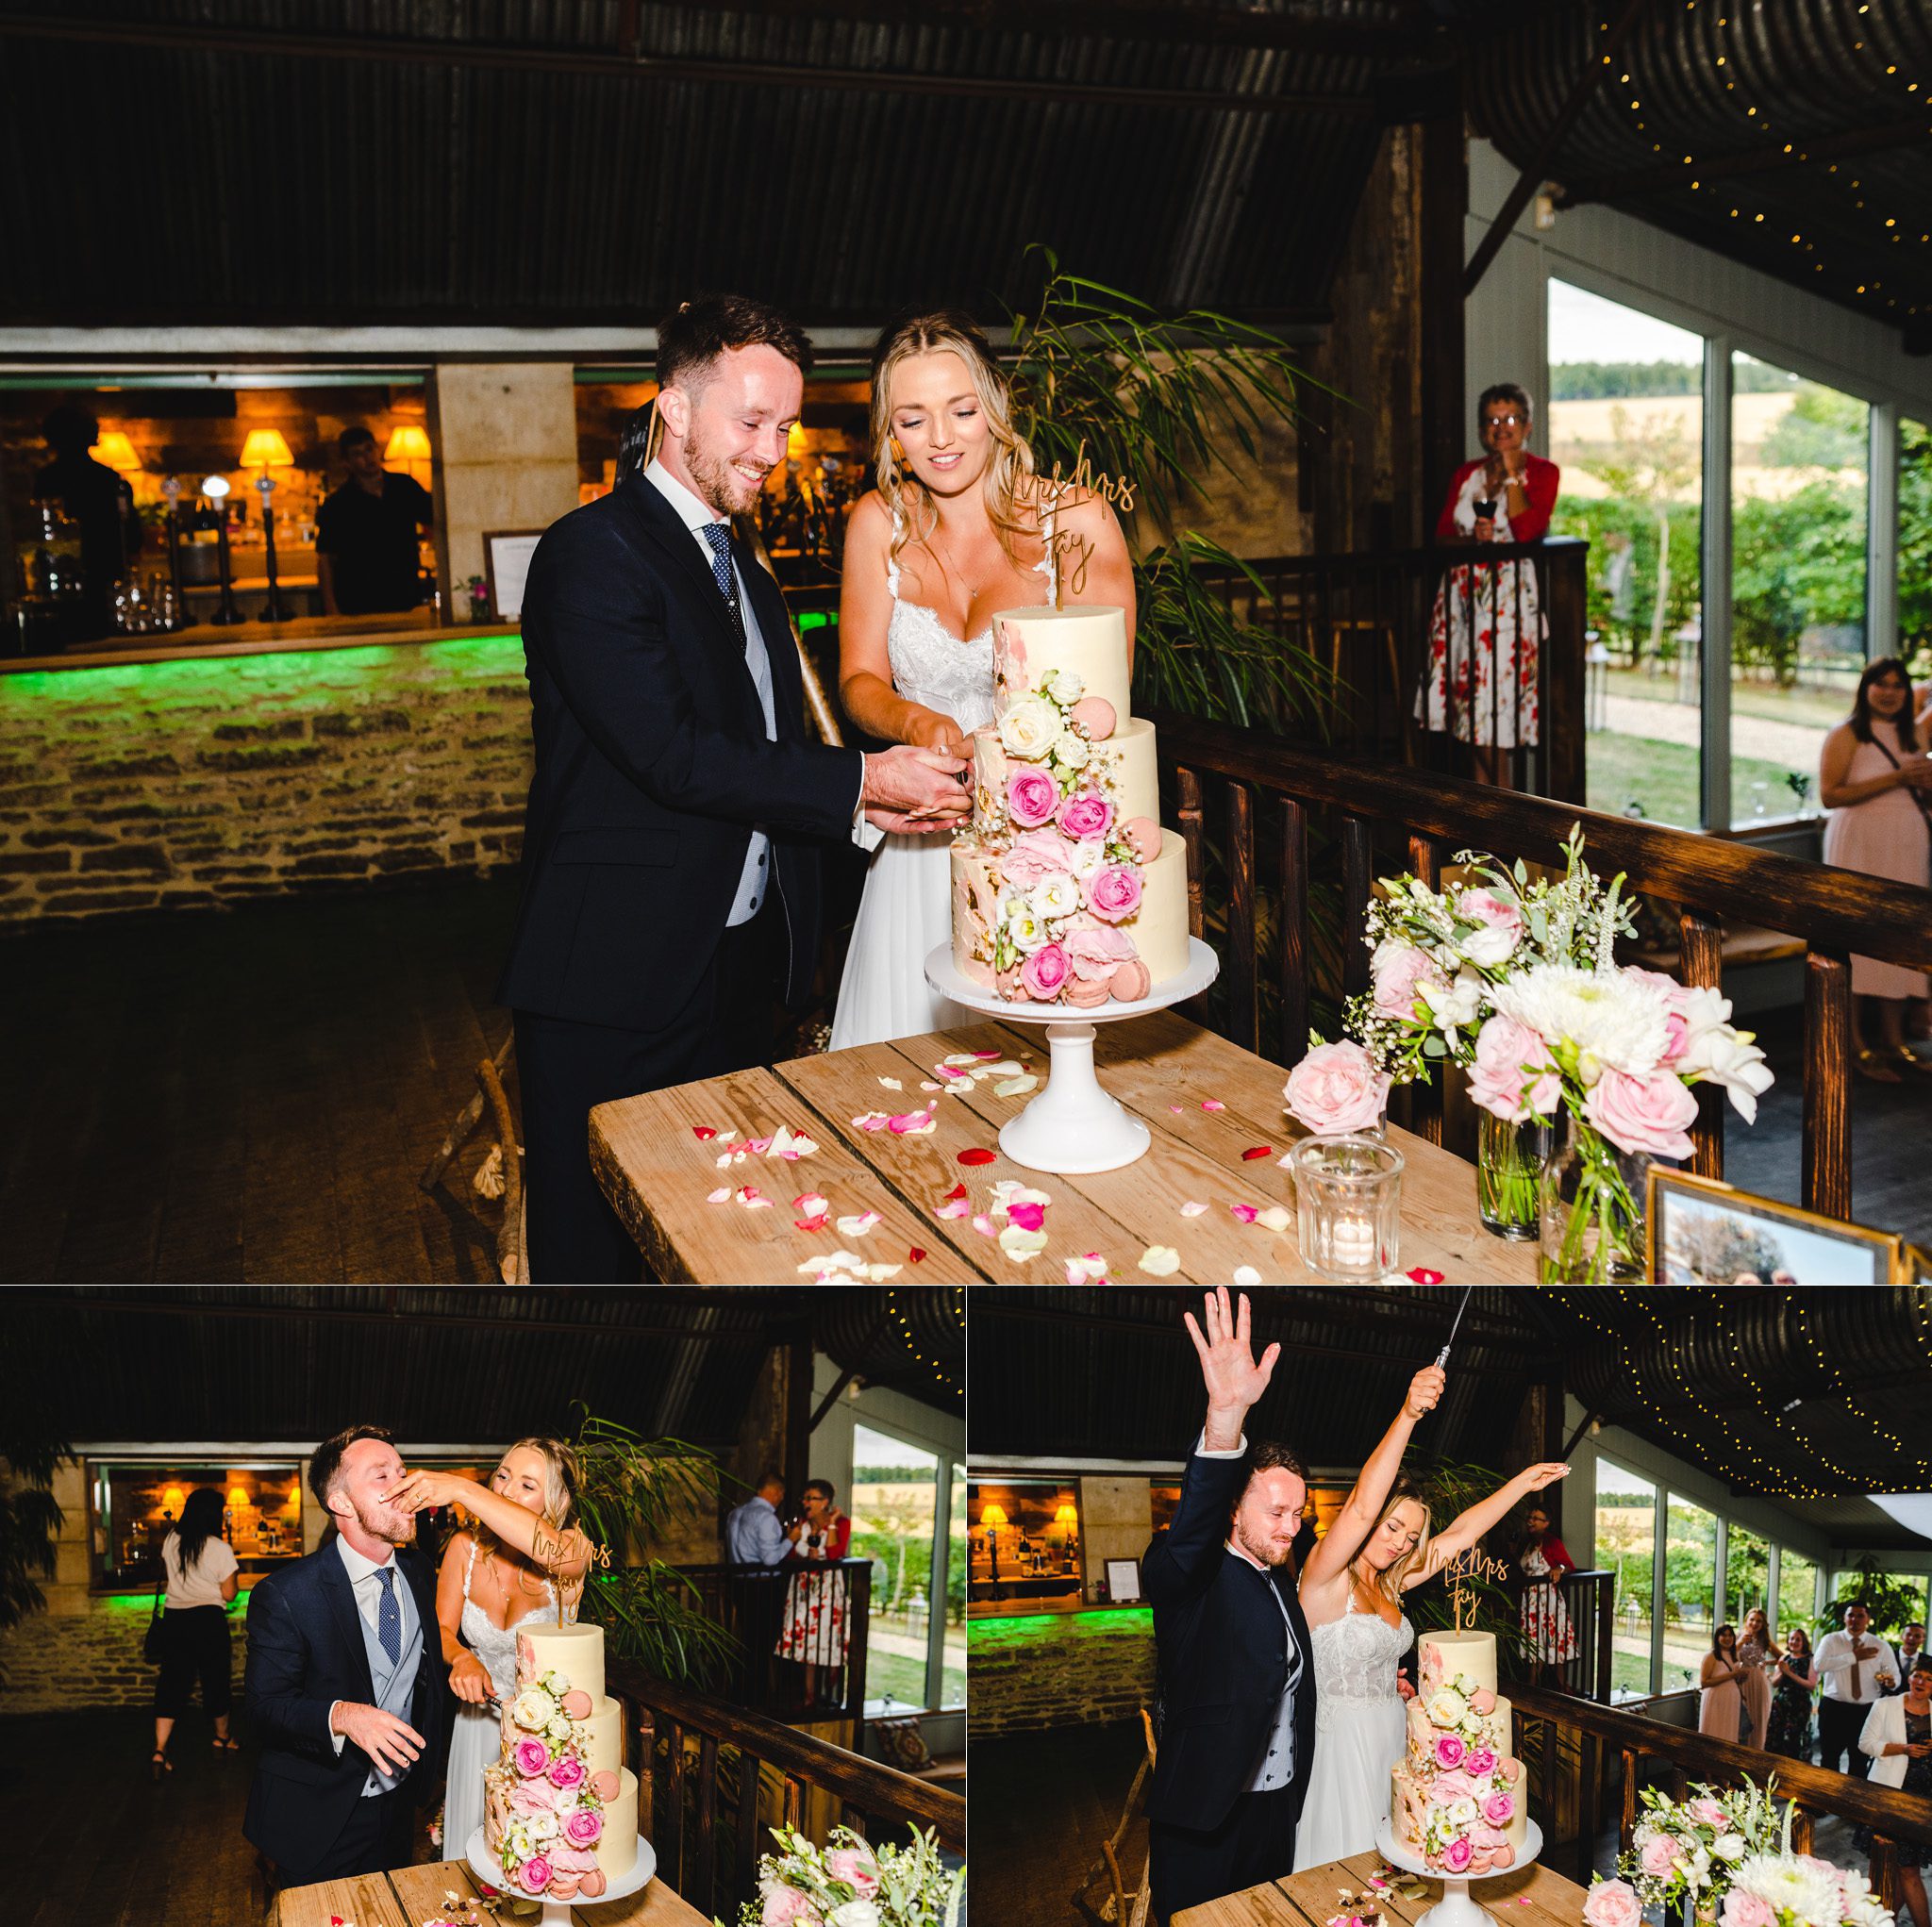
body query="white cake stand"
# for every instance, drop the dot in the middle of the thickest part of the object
(1073, 1125)
(483, 1864)
(1456, 1908)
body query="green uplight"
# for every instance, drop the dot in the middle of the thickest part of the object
(1026, 1629)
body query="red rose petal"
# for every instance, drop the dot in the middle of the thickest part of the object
(817, 1223)
(1254, 1151)
(957, 1191)
(703, 1132)
(915, 1255)
(976, 1156)
(1423, 1276)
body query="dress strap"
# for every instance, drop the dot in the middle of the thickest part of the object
(469, 1569)
(892, 553)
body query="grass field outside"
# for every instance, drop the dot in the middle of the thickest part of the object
(1663, 777)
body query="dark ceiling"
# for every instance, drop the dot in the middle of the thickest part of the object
(1792, 135)
(1710, 1378)
(467, 1366)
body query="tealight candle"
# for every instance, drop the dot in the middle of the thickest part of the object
(1354, 1246)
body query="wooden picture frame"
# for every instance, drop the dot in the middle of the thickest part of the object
(1123, 1582)
(507, 553)
(1801, 1247)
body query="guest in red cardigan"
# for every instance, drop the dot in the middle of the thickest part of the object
(1541, 1560)
(814, 1630)
(1487, 624)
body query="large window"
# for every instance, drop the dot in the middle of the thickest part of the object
(1626, 425)
(1797, 1590)
(1626, 1544)
(1689, 1589)
(953, 1651)
(896, 1489)
(1800, 462)
(1915, 545)
(1747, 1574)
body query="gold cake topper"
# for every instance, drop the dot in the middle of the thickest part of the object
(1471, 1568)
(1054, 492)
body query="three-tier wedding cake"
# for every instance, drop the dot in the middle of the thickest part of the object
(1456, 1798)
(560, 1807)
(1066, 889)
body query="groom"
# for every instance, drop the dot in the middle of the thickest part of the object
(346, 1684)
(671, 878)
(1237, 1714)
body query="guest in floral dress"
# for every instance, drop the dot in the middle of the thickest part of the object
(1788, 1731)
(1897, 1739)
(1540, 1562)
(1487, 628)
(813, 1630)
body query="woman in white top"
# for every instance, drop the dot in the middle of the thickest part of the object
(201, 1571)
(519, 1560)
(1351, 1589)
(949, 540)
(1897, 1740)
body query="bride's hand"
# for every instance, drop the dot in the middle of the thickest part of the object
(469, 1678)
(940, 733)
(1425, 1389)
(423, 1491)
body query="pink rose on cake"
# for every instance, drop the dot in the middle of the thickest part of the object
(1481, 1761)
(531, 1796)
(1450, 1751)
(1034, 857)
(1044, 973)
(566, 1772)
(1456, 1856)
(1096, 951)
(534, 1875)
(1031, 798)
(1084, 815)
(1113, 894)
(565, 1858)
(585, 1827)
(1499, 1809)
(1451, 1786)
(532, 1756)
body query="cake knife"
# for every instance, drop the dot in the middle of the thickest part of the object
(1443, 1357)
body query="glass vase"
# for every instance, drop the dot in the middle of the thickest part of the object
(1509, 1160)
(1591, 1208)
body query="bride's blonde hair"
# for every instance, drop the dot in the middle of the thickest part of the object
(1405, 1491)
(560, 1486)
(947, 330)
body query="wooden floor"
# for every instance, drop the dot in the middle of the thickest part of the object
(249, 1098)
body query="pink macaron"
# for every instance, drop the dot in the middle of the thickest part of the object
(577, 1705)
(1143, 833)
(1130, 980)
(592, 1884)
(1086, 994)
(604, 1785)
(1095, 714)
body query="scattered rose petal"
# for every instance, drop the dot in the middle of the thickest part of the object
(1423, 1276)
(1174, 1108)
(817, 1223)
(983, 1225)
(958, 1058)
(982, 1057)
(722, 1195)
(810, 1202)
(915, 1256)
(1028, 1216)
(976, 1156)
(858, 1223)
(1254, 1151)
(754, 1147)
(892, 1083)
(703, 1132)
(1021, 1244)
(1192, 1209)
(1285, 1160)
(1088, 1269)
(724, 1159)
(1004, 1068)
(1247, 1213)
(1274, 1217)
(1160, 1261)
(926, 1083)
(953, 1208)
(1016, 1087)
(912, 1125)
(957, 1191)
(1213, 1104)
(1246, 1277)
(873, 1120)
(792, 1145)
(753, 1199)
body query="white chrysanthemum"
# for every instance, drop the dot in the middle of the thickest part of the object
(1789, 1883)
(1029, 728)
(1056, 896)
(1612, 1021)
(1023, 924)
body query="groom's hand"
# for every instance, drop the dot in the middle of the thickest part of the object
(1229, 1368)
(391, 1744)
(904, 781)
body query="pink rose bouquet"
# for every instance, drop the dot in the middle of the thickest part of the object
(1113, 894)
(1031, 798)
(784, 1906)
(1691, 1852)
(848, 1883)
(1612, 1904)
(856, 1867)
(1335, 1090)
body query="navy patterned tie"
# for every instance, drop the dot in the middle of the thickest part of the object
(389, 1616)
(718, 535)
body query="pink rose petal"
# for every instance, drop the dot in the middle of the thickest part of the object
(1027, 1217)
(1213, 1104)
(817, 1223)
(989, 1057)
(1423, 1276)
(953, 1208)
(1192, 1209)
(983, 1225)
(1247, 1213)
(1254, 1151)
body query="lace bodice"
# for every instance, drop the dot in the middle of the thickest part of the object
(1356, 1656)
(495, 1645)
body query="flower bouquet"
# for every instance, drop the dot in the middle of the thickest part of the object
(848, 1883)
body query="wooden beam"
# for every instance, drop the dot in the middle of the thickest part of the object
(1602, 52)
(1651, 180)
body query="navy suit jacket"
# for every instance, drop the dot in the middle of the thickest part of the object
(653, 766)
(306, 1651)
(1222, 1658)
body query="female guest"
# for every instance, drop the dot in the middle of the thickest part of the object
(814, 1630)
(1541, 1560)
(200, 1567)
(1721, 1704)
(1488, 626)
(1876, 781)
(951, 537)
(505, 1569)
(1897, 1739)
(1351, 1589)
(1757, 1650)
(1790, 1730)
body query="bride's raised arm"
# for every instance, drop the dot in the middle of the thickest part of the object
(865, 667)
(1466, 1528)
(1363, 1506)
(563, 1552)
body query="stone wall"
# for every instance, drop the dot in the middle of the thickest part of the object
(1041, 1670)
(202, 782)
(68, 1663)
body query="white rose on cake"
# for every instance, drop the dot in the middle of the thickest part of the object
(1062, 685)
(1088, 856)
(1446, 1707)
(1070, 750)
(559, 1731)
(1023, 924)
(554, 1683)
(1029, 728)
(1462, 1814)
(533, 1709)
(541, 1826)
(1056, 897)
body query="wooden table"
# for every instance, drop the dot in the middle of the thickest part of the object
(659, 1174)
(1533, 1896)
(409, 1894)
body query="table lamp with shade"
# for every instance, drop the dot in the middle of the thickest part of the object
(114, 451)
(1068, 1520)
(266, 449)
(408, 442)
(992, 1516)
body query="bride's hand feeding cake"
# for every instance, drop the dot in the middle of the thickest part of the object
(1066, 889)
(560, 1807)
(1456, 1798)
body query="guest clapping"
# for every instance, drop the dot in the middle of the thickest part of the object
(201, 1571)
(1721, 1704)
(1790, 1728)
(1897, 1740)
(1876, 781)
(1756, 1649)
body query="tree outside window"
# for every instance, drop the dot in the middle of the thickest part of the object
(1690, 1589)
(1627, 1545)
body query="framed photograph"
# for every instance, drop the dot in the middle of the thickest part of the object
(507, 564)
(1702, 1231)
(1122, 1581)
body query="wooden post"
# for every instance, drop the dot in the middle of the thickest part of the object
(1700, 947)
(1588, 1807)
(669, 1839)
(1827, 1154)
(647, 1772)
(1565, 712)
(702, 1890)
(1244, 1009)
(1294, 932)
(1626, 1825)
(750, 1841)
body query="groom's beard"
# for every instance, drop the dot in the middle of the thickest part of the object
(721, 487)
(1264, 1549)
(386, 1523)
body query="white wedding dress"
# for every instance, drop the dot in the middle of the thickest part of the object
(477, 1734)
(1360, 1731)
(907, 910)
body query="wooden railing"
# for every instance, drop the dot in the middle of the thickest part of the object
(795, 1660)
(1270, 790)
(713, 1779)
(1583, 1600)
(1606, 1738)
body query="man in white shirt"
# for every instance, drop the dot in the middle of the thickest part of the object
(1849, 1664)
(1912, 1642)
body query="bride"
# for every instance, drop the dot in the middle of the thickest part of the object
(948, 540)
(1378, 1548)
(506, 1569)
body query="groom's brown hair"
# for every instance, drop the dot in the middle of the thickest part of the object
(326, 1465)
(698, 331)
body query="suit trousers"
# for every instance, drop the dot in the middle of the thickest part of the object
(1254, 1843)
(376, 1837)
(564, 1069)
(1839, 1722)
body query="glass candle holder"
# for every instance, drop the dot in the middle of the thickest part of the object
(1349, 1194)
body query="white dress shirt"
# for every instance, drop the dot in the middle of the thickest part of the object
(368, 1593)
(695, 515)
(1853, 1680)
